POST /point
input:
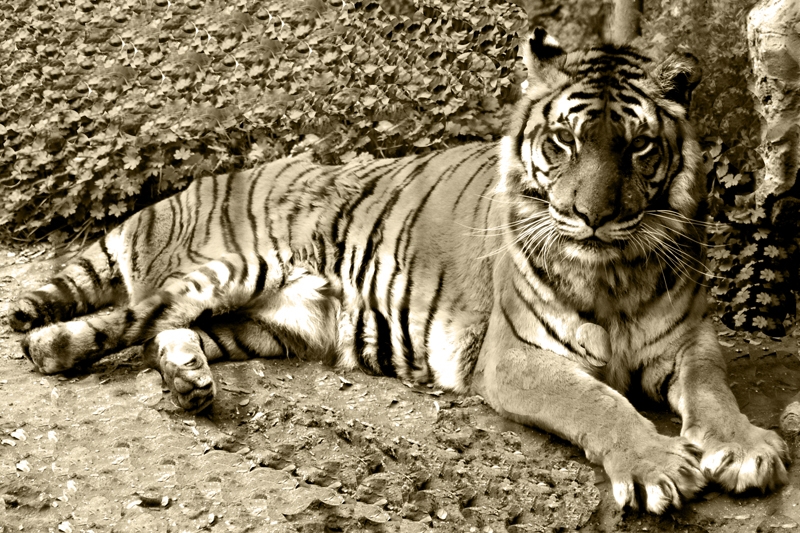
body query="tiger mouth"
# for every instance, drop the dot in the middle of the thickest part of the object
(594, 249)
(596, 238)
(595, 243)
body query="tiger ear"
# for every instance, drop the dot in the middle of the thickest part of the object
(677, 76)
(543, 56)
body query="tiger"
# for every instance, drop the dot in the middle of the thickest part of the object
(551, 272)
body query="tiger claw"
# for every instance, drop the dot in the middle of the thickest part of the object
(661, 474)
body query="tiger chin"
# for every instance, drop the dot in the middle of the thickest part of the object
(542, 272)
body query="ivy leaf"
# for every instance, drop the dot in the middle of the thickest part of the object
(98, 211)
(117, 209)
(228, 44)
(384, 126)
(757, 214)
(745, 273)
(423, 142)
(183, 153)
(741, 296)
(748, 250)
(729, 180)
(131, 162)
(761, 234)
(719, 253)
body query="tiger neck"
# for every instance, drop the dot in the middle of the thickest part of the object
(604, 292)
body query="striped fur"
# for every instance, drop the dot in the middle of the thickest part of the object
(476, 268)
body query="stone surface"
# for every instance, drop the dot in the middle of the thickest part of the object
(773, 35)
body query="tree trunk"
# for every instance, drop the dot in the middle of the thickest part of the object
(626, 21)
(773, 37)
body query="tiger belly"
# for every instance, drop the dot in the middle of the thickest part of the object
(441, 350)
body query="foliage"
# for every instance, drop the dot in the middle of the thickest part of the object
(106, 107)
(754, 273)
(755, 281)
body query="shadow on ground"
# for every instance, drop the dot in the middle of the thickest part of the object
(299, 447)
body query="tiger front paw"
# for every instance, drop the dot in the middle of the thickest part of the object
(657, 473)
(184, 367)
(747, 457)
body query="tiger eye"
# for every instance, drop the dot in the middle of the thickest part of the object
(565, 136)
(641, 142)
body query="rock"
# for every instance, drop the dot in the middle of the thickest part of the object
(313, 475)
(773, 34)
(267, 458)
(512, 440)
(149, 387)
(373, 488)
(425, 501)
(790, 419)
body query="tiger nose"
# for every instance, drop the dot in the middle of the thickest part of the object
(594, 217)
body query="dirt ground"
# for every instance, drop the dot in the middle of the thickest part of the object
(290, 446)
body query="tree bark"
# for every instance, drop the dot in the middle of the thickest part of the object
(773, 37)
(626, 21)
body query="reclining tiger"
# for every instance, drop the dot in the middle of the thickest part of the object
(543, 272)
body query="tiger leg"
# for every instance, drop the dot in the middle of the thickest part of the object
(88, 282)
(545, 390)
(736, 454)
(300, 319)
(217, 287)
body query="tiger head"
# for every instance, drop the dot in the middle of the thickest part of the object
(602, 163)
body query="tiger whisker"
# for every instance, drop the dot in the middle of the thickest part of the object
(681, 231)
(501, 229)
(683, 218)
(518, 238)
(676, 256)
(551, 240)
(672, 253)
(664, 277)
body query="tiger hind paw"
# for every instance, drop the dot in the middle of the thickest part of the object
(24, 315)
(51, 349)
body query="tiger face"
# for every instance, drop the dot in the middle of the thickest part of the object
(606, 166)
